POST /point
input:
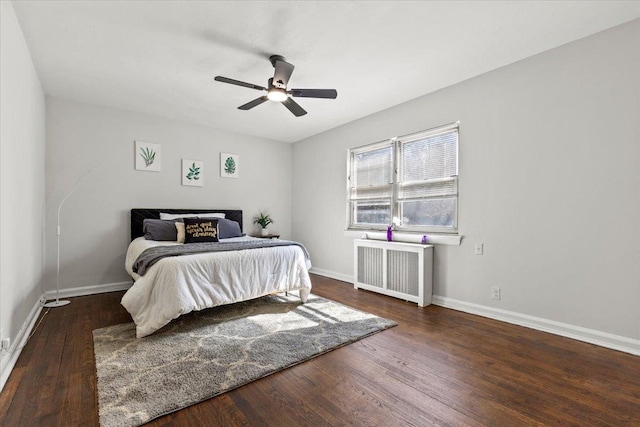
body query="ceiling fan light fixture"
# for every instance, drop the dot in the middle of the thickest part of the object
(277, 88)
(277, 94)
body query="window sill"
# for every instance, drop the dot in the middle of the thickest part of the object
(398, 236)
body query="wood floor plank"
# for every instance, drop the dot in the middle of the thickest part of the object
(438, 366)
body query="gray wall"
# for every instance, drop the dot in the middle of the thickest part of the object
(549, 179)
(95, 218)
(22, 147)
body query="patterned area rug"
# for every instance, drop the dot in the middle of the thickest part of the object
(206, 353)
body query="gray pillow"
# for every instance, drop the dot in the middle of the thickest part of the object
(160, 230)
(228, 228)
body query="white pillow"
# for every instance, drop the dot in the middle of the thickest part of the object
(181, 231)
(164, 215)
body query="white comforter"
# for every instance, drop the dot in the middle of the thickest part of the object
(179, 285)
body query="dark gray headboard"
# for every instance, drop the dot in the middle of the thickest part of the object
(139, 215)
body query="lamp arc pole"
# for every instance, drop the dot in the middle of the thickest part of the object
(58, 302)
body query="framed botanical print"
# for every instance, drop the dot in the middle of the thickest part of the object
(148, 156)
(229, 165)
(192, 173)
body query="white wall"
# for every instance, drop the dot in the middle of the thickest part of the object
(22, 148)
(549, 179)
(95, 219)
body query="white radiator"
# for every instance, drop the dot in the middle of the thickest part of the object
(397, 269)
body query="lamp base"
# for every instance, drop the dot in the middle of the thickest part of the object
(58, 303)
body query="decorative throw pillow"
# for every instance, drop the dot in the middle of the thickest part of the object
(228, 228)
(200, 230)
(157, 229)
(180, 228)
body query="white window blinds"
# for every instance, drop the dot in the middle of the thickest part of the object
(372, 173)
(413, 178)
(428, 166)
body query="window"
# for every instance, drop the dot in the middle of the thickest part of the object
(410, 181)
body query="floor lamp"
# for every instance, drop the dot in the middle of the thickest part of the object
(58, 302)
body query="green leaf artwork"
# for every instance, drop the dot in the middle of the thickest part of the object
(230, 166)
(194, 173)
(148, 155)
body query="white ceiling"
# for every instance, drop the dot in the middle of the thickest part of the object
(160, 57)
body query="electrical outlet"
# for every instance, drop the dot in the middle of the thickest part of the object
(495, 293)
(6, 343)
(479, 249)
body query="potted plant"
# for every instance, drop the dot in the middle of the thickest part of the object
(264, 221)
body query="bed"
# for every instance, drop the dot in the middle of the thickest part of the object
(243, 268)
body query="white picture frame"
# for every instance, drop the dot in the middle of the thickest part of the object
(192, 173)
(229, 165)
(148, 156)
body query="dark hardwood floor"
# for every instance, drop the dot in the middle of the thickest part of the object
(438, 366)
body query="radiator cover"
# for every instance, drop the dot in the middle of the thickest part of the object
(397, 269)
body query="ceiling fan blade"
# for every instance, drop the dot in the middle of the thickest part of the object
(293, 106)
(254, 103)
(314, 93)
(238, 82)
(282, 74)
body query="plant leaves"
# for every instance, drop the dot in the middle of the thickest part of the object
(263, 220)
(230, 166)
(194, 172)
(148, 156)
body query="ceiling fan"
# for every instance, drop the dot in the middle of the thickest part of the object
(277, 88)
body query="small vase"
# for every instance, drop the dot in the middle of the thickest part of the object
(389, 234)
(264, 232)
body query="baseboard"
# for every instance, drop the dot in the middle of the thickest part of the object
(9, 358)
(603, 339)
(332, 274)
(90, 290)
